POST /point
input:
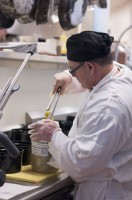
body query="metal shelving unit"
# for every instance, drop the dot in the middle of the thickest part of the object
(13, 59)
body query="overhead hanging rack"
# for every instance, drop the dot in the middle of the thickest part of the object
(70, 13)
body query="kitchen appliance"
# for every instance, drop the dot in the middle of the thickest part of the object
(26, 156)
(8, 89)
(5, 22)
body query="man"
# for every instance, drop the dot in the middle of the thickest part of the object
(97, 154)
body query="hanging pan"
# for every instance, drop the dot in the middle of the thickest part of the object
(16, 8)
(43, 11)
(30, 16)
(71, 13)
(5, 22)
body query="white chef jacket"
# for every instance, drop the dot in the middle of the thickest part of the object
(97, 154)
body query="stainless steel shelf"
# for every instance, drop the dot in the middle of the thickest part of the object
(13, 59)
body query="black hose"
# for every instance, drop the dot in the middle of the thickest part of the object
(9, 146)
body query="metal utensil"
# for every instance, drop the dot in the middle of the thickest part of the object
(54, 100)
(10, 87)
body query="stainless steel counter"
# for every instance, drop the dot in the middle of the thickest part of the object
(47, 188)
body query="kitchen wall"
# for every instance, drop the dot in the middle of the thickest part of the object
(120, 19)
(33, 95)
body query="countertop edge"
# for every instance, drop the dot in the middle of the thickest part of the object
(47, 188)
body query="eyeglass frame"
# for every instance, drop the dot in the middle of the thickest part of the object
(72, 71)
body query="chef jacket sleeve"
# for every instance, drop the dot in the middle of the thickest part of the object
(90, 151)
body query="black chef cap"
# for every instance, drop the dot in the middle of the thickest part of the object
(88, 45)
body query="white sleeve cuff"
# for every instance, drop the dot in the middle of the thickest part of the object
(58, 139)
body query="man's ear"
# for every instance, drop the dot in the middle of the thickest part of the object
(90, 66)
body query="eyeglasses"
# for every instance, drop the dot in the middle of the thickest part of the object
(72, 71)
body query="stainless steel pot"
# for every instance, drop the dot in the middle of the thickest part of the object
(40, 158)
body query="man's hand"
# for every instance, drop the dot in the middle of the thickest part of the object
(43, 130)
(62, 80)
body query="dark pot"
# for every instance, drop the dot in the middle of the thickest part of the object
(9, 164)
(5, 22)
(26, 146)
(20, 135)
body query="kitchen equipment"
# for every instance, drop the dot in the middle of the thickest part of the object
(30, 15)
(25, 19)
(71, 13)
(20, 135)
(9, 86)
(54, 100)
(42, 10)
(2, 177)
(8, 145)
(8, 130)
(8, 163)
(8, 9)
(56, 187)
(13, 152)
(102, 3)
(40, 155)
(66, 125)
(40, 158)
(122, 54)
(59, 114)
(24, 7)
(17, 8)
(10, 149)
(26, 156)
(5, 22)
(118, 42)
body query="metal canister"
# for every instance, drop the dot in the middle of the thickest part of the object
(39, 158)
